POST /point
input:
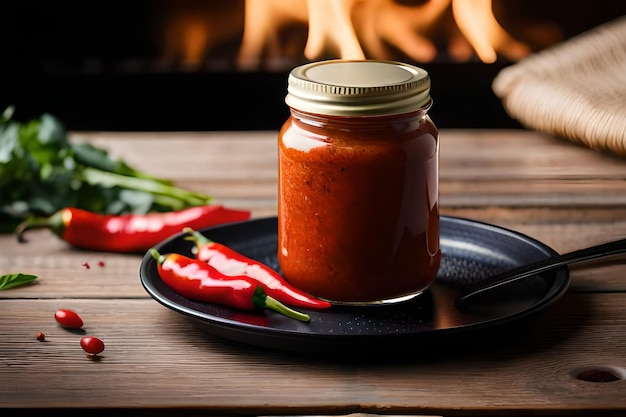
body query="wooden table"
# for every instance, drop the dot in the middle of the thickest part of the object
(158, 362)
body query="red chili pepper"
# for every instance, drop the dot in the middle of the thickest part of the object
(198, 280)
(230, 262)
(68, 318)
(128, 232)
(92, 345)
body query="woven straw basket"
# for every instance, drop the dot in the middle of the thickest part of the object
(575, 90)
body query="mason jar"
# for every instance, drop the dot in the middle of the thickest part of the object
(358, 182)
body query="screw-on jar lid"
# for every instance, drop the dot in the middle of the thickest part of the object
(358, 88)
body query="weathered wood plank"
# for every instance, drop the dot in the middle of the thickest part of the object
(157, 358)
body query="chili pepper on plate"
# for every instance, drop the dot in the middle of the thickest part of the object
(199, 281)
(128, 232)
(230, 262)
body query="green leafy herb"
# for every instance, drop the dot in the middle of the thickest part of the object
(43, 171)
(15, 280)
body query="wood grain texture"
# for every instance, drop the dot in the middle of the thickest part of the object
(157, 362)
(155, 357)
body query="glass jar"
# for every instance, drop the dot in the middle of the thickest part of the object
(358, 183)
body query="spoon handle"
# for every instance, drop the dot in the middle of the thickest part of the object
(586, 254)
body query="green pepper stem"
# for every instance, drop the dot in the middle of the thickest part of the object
(157, 256)
(262, 300)
(196, 237)
(54, 223)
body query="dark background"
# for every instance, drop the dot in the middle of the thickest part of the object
(91, 64)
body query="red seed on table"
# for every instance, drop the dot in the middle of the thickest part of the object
(40, 336)
(68, 318)
(92, 345)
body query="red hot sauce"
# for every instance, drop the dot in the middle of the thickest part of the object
(358, 214)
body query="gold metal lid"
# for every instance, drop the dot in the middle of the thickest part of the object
(358, 88)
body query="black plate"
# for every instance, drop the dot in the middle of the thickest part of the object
(471, 251)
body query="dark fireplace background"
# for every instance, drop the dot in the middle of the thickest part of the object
(99, 66)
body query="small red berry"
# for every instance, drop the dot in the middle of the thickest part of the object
(40, 336)
(101, 264)
(68, 318)
(92, 345)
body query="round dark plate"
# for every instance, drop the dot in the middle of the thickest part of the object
(471, 251)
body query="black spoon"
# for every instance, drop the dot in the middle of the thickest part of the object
(598, 251)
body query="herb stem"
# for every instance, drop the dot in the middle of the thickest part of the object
(109, 179)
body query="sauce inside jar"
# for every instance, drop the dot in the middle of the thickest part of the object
(358, 200)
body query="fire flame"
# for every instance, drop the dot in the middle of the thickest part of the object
(353, 29)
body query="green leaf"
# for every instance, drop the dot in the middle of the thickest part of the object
(94, 157)
(89, 155)
(7, 114)
(8, 141)
(15, 280)
(51, 131)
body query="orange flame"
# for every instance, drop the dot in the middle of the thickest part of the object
(350, 29)
(345, 28)
(476, 20)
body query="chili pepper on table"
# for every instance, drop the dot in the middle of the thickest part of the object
(199, 281)
(128, 232)
(230, 262)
